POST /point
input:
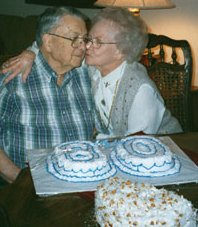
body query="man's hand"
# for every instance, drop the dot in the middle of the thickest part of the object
(19, 64)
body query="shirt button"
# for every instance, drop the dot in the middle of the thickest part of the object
(63, 113)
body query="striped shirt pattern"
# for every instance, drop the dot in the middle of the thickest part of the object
(40, 114)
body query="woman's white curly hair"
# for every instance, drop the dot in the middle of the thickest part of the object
(132, 36)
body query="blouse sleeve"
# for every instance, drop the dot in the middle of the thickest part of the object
(34, 48)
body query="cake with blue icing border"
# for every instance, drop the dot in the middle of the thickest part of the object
(79, 161)
(145, 156)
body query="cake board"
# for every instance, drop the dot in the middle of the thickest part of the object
(46, 184)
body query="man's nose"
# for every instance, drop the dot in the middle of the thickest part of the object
(82, 45)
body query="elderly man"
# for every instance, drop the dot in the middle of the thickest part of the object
(55, 104)
(126, 98)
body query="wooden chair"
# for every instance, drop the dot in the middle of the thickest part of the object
(169, 64)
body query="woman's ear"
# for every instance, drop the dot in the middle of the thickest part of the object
(119, 55)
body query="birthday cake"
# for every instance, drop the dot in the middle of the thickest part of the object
(79, 161)
(145, 156)
(123, 203)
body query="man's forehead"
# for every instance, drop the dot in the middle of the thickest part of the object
(69, 29)
(72, 24)
(72, 21)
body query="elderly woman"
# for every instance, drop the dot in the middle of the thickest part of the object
(126, 98)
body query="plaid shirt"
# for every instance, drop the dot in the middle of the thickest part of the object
(40, 114)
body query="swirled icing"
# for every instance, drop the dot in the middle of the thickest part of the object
(145, 156)
(78, 161)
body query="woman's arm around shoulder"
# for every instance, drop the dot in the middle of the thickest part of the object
(20, 64)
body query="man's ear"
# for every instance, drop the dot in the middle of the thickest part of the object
(46, 42)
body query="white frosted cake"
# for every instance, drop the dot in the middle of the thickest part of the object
(121, 203)
(79, 161)
(145, 156)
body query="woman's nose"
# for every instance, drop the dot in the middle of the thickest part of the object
(88, 44)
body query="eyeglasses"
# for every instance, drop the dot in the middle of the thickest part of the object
(96, 43)
(75, 42)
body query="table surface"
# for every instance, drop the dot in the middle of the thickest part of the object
(20, 206)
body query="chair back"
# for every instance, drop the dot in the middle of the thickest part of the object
(169, 64)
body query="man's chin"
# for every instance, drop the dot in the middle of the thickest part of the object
(77, 63)
(88, 62)
(78, 59)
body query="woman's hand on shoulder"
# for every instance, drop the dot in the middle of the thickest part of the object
(18, 64)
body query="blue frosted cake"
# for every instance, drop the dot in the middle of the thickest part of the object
(144, 156)
(79, 161)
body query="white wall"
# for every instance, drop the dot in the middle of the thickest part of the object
(179, 23)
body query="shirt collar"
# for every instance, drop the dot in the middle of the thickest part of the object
(114, 76)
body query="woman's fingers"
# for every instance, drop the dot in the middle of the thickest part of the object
(19, 64)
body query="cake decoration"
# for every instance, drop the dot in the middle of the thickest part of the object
(79, 161)
(145, 156)
(84, 161)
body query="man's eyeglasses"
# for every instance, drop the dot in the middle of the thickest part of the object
(75, 42)
(96, 43)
